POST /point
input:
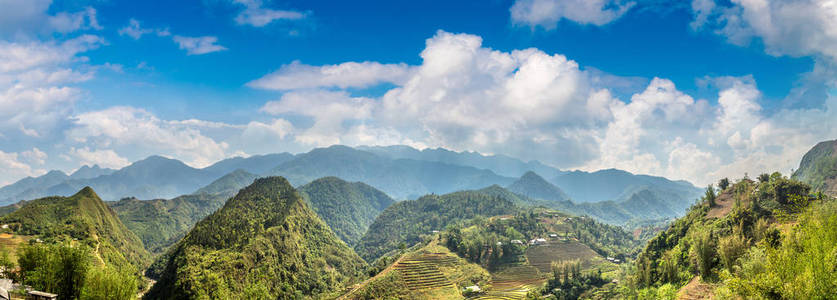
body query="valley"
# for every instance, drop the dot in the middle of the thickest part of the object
(261, 237)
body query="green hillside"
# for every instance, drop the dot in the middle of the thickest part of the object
(405, 222)
(161, 222)
(753, 240)
(347, 207)
(265, 243)
(82, 217)
(819, 168)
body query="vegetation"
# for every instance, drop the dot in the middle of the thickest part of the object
(568, 281)
(348, 208)
(407, 221)
(488, 242)
(83, 219)
(264, 243)
(737, 244)
(160, 223)
(72, 273)
(534, 186)
(819, 168)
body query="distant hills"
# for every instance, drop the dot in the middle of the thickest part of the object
(819, 168)
(82, 217)
(399, 171)
(533, 185)
(347, 207)
(264, 243)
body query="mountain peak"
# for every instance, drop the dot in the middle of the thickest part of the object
(533, 185)
(87, 192)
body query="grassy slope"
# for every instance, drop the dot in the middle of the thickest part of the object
(83, 217)
(819, 168)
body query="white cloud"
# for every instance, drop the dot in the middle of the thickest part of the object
(787, 27)
(329, 110)
(131, 129)
(34, 156)
(350, 74)
(547, 13)
(106, 158)
(14, 169)
(31, 17)
(256, 15)
(134, 30)
(35, 82)
(198, 45)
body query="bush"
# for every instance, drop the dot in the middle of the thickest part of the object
(703, 254)
(730, 248)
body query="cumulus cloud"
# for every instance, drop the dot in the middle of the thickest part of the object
(36, 80)
(106, 158)
(34, 156)
(14, 169)
(547, 13)
(31, 17)
(137, 130)
(350, 74)
(198, 45)
(794, 27)
(256, 15)
(134, 30)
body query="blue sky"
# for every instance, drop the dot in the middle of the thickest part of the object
(691, 90)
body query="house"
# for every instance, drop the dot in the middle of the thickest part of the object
(4, 294)
(435, 231)
(553, 235)
(473, 289)
(537, 241)
(36, 295)
(499, 243)
(519, 242)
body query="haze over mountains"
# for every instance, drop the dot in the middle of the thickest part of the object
(400, 171)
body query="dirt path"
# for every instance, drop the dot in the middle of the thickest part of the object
(367, 281)
(695, 289)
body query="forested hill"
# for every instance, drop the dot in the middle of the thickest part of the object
(405, 221)
(765, 239)
(264, 243)
(819, 168)
(83, 217)
(347, 207)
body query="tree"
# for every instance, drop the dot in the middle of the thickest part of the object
(710, 195)
(703, 253)
(60, 269)
(764, 177)
(723, 184)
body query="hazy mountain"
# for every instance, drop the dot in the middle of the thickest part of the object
(265, 236)
(347, 207)
(83, 217)
(229, 183)
(618, 185)
(256, 164)
(87, 172)
(534, 186)
(499, 164)
(151, 178)
(819, 168)
(400, 178)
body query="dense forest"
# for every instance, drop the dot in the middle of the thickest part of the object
(406, 221)
(347, 207)
(263, 244)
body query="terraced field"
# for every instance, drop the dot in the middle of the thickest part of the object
(542, 256)
(422, 272)
(513, 283)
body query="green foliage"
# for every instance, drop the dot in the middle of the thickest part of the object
(723, 184)
(488, 243)
(265, 242)
(709, 196)
(84, 218)
(819, 167)
(160, 223)
(703, 254)
(802, 267)
(109, 284)
(57, 268)
(407, 221)
(348, 208)
(730, 248)
(568, 282)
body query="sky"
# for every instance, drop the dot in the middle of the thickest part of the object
(693, 90)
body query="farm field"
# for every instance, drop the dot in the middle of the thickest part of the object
(10, 242)
(542, 256)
